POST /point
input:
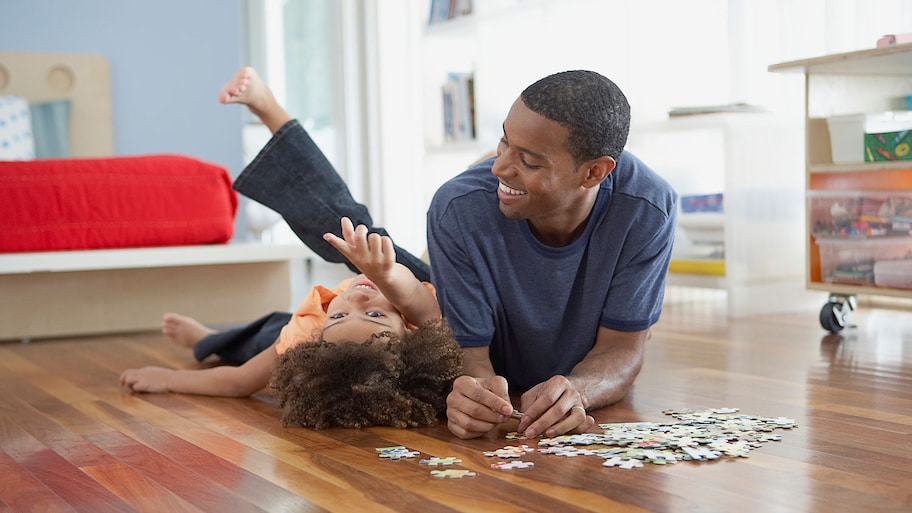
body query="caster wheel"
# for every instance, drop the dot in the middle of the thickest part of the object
(833, 316)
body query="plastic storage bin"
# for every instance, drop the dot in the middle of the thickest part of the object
(847, 132)
(860, 214)
(895, 274)
(854, 261)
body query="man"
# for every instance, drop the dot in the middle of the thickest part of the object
(550, 261)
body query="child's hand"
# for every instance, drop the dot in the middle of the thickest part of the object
(147, 379)
(372, 253)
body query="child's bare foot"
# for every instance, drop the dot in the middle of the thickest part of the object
(247, 88)
(184, 331)
(244, 87)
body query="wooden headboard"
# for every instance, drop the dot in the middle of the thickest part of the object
(84, 79)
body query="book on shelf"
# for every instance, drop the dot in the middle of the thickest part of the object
(443, 10)
(459, 107)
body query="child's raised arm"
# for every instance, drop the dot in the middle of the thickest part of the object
(375, 256)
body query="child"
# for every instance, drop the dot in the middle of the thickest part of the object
(373, 351)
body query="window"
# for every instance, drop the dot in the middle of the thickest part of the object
(297, 47)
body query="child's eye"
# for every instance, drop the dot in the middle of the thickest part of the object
(337, 316)
(375, 314)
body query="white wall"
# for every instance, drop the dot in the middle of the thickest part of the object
(663, 53)
(168, 60)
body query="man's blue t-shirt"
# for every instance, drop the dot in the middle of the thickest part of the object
(539, 307)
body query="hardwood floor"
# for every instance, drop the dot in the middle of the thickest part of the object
(71, 440)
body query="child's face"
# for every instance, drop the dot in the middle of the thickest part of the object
(359, 312)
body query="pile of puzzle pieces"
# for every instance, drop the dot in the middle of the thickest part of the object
(698, 435)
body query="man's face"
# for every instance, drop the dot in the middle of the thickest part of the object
(539, 180)
(359, 312)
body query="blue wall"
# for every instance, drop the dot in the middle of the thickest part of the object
(168, 59)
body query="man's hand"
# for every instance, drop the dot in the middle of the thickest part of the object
(147, 379)
(554, 407)
(477, 405)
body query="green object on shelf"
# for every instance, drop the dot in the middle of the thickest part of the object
(888, 146)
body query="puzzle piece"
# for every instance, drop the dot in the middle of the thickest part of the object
(686, 441)
(700, 453)
(568, 451)
(560, 450)
(449, 460)
(624, 463)
(396, 453)
(504, 465)
(452, 473)
(733, 449)
(660, 457)
(391, 449)
(510, 451)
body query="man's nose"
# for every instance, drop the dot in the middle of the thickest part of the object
(502, 166)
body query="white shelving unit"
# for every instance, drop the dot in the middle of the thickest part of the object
(754, 160)
(448, 46)
(872, 80)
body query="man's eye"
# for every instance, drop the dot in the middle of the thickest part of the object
(337, 316)
(529, 166)
(375, 314)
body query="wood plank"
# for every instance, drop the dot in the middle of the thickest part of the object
(62, 414)
(68, 445)
(21, 491)
(171, 473)
(140, 492)
(62, 478)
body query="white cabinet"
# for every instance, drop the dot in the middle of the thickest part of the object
(866, 81)
(755, 161)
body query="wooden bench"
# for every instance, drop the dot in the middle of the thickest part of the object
(66, 293)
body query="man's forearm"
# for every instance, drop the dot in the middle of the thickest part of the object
(477, 362)
(606, 374)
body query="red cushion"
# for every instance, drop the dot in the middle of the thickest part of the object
(114, 202)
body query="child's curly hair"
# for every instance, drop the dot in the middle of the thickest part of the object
(384, 381)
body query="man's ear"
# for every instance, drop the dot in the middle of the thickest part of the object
(597, 170)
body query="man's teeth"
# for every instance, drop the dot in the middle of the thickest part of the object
(509, 190)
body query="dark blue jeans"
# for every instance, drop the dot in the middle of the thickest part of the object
(237, 345)
(292, 176)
